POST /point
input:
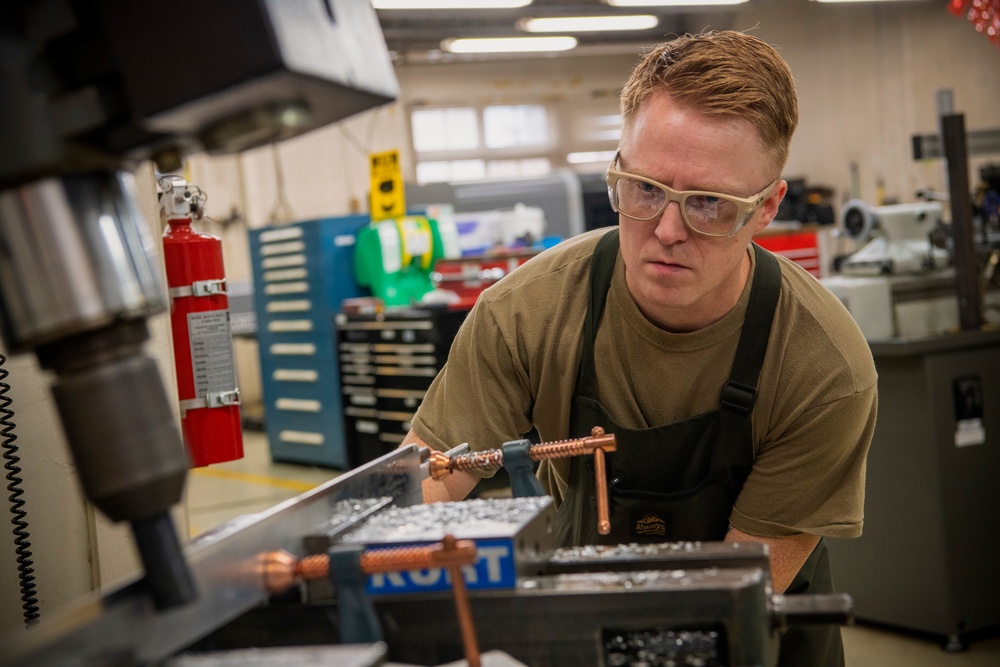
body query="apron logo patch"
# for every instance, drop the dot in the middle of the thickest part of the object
(651, 524)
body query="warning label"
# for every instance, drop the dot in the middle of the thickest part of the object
(211, 352)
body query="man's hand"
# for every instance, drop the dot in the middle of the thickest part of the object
(788, 554)
(455, 486)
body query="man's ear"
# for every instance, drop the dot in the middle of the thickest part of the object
(769, 208)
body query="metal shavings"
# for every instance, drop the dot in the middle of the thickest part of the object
(618, 580)
(350, 509)
(617, 551)
(465, 520)
(662, 648)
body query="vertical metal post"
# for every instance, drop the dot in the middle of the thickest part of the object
(944, 99)
(966, 269)
(944, 103)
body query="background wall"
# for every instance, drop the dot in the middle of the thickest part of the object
(866, 75)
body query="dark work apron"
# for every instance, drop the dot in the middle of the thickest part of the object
(679, 482)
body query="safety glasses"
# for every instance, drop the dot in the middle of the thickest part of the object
(708, 213)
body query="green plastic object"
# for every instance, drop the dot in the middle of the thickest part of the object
(395, 258)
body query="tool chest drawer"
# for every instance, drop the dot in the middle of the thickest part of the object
(387, 362)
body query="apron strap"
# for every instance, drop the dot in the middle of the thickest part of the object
(740, 392)
(602, 267)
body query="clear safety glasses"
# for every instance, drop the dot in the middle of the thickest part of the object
(708, 213)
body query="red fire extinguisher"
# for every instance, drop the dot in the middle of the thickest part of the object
(199, 318)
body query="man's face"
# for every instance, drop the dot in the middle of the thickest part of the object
(680, 279)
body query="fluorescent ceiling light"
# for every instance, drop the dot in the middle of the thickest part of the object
(508, 44)
(671, 3)
(449, 4)
(588, 23)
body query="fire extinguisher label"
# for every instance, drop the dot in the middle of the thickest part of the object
(211, 352)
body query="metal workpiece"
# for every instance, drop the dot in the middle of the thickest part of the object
(513, 538)
(347, 655)
(521, 518)
(75, 255)
(226, 566)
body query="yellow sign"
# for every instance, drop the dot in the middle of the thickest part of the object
(387, 198)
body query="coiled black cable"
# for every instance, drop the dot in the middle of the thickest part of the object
(25, 571)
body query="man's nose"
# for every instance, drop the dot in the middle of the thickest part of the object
(670, 228)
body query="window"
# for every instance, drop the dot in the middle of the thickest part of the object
(600, 128)
(473, 143)
(523, 125)
(445, 129)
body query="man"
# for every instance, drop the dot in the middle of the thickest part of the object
(741, 393)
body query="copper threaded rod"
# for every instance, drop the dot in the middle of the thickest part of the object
(441, 465)
(281, 570)
(492, 458)
(313, 567)
(576, 447)
(461, 552)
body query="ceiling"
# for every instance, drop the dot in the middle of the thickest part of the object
(416, 35)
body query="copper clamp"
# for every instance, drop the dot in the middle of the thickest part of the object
(598, 443)
(280, 570)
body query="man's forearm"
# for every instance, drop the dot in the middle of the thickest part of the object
(787, 554)
(455, 486)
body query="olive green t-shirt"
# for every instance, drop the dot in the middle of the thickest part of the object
(513, 365)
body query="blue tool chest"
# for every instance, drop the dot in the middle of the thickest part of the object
(302, 272)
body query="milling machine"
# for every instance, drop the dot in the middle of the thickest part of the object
(357, 571)
(87, 91)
